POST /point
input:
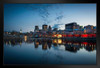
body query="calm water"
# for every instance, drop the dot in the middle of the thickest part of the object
(49, 51)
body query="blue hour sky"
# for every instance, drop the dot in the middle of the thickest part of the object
(26, 16)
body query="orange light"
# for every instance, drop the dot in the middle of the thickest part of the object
(59, 41)
(59, 35)
(37, 43)
(55, 41)
(54, 35)
(25, 38)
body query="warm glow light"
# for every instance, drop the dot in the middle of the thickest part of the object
(59, 36)
(37, 43)
(25, 38)
(54, 35)
(55, 41)
(59, 41)
(45, 46)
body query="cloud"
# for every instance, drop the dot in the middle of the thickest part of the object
(44, 12)
(59, 17)
(56, 25)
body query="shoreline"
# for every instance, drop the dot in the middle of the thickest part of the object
(65, 38)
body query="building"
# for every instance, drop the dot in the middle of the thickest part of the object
(49, 29)
(71, 26)
(44, 27)
(94, 29)
(89, 29)
(55, 29)
(36, 29)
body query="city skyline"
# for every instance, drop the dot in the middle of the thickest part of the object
(27, 16)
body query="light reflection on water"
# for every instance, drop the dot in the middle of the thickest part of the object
(49, 51)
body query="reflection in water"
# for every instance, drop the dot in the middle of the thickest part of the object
(49, 51)
(44, 45)
(36, 43)
(57, 41)
(25, 38)
(71, 46)
(13, 42)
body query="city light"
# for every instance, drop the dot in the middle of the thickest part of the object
(59, 36)
(25, 38)
(84, 35)
(59, 41)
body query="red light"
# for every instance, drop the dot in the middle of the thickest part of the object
(70, 35)
(76, 35)
(91, 43)
(85, 43)
(89, 35)
(94, 35)
(57, 35)
(64, 35)
(84, 35)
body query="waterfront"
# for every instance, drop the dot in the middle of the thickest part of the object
(49, 51)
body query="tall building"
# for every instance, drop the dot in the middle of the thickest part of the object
(36, 29)
(71, 26)
(44, 27)
(49, 28)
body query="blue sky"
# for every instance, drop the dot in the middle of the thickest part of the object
(26, 16)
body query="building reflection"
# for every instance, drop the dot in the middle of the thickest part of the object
(25, 38)
(49, 42)
(72, 46)
(13, 42)
(36, 43)
(44, 45)
(91, 47)
(57, 41)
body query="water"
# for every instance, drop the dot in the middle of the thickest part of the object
(49, 51)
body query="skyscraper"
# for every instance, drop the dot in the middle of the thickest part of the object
(36, 29)
(44, 27)
(49, 29)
